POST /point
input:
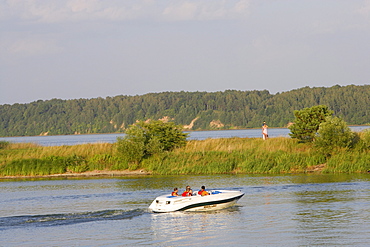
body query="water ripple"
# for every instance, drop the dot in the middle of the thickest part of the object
(67, 219)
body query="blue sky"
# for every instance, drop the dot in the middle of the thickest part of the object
(72, 49)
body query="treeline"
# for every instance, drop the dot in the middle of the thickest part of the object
(195, 110)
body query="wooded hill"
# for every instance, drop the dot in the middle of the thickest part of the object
(230, 109)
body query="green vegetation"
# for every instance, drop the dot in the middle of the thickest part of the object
(307, 122)
(218, 110)
(4, 144)
(26, 159)
(319, 141)
(210, 156)
(334, 134)
(44, 166)
(145, 139)
(364, 142)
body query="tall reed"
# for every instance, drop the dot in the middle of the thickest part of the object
(210, 156)
(349, 162)
(33, 167)
(210, 162)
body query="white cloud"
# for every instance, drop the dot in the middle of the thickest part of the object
(82, 10)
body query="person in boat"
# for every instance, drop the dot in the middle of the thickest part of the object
(188, 191)
(175, 192)
(203, 191)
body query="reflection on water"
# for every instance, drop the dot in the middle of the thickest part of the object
(198, 228)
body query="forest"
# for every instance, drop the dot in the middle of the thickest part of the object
(231, 109)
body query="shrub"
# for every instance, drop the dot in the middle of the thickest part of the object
(144, 139)
(307, 122)
(4, 144)
(364, 142)
(334, 134)
(76, 163)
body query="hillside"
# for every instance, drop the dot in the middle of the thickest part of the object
(195, 110)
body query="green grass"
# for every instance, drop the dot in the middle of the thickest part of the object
(210, 162)
(210, 156)
(34, 167)
(349, 162)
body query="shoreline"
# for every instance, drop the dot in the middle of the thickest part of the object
(96, 173)
(116, 173)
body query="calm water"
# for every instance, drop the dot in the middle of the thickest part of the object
(111, 138)
(289, 210)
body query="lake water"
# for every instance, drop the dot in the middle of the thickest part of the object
(286, 210)
(111, 138)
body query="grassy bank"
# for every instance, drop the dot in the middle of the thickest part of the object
(211, 156)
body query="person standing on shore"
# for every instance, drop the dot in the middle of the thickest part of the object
(264, 131)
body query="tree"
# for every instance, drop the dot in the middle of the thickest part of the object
(144, 139)
(307, 122)
(334, 133)
(235, 109)
(132, 146)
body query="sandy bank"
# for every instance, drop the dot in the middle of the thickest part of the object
(104, 173)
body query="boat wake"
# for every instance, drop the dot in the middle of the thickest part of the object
(67, 219)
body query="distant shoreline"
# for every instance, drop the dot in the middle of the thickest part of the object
(121, 133)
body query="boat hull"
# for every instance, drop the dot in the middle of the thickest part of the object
(216, 200)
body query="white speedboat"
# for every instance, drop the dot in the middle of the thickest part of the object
(217, 199)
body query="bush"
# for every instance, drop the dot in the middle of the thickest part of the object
(76, 163)
(366, 138)
(364, 141)
(4, 144)
(145, 139)
(334, 134)
(131, 150)
(307, 122)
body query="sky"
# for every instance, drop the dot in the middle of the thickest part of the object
(71, 49)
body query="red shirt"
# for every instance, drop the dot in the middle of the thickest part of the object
(186, 193)
(203, 193)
